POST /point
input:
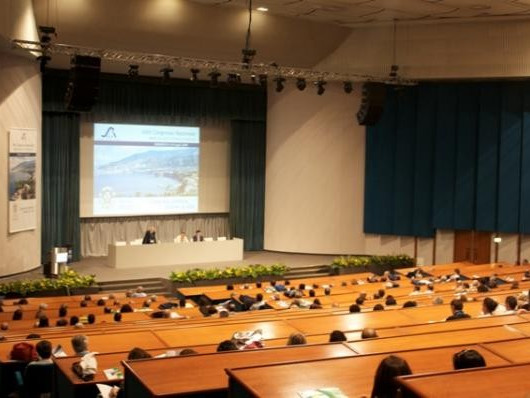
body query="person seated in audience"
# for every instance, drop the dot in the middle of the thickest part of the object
(100, 303)
(327, 291)
(482, 288)
(63, 310)
(390, 300)
(510, 303)
(359, 300)
(437, 300)
(83, 303)
(80, 345)
(372, 279)
(188, 351)
(43, 322)
(150, 236)
(278, 286)
(61, 322)
(457, 308)
(312, 293)
(24, 352)
(17, 315)
(32, 336)
(337, 335)
(491, 307)
(296, 339)
(409, 304)
(74, 320)
(467, 359)
(416, 291)
(147, 303)
(227, 345)
(259, 303)
(44, 352)
(182, 238)
(139, 292)
(355, 308)
(22, 301)
(316, 305)
(378, 307)
(91, 319)
(456, 275)
(197, 237)
(138, 353)
(368, 333)
(126, 308)
(392, 275)
(117, 317)
(391, 284)
(385, 385)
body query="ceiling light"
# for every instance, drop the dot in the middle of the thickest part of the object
(166, 73)
(194, 74)
(262, 9)
(320, 87)
(263, 80)
(279, 84)
(214, 78)
(301, 84)
(233, 78)
(133, 70)
(348, 87)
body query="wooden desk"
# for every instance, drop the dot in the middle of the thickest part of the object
(430, 340)
(203, 374)
(506, 381)
(354, 376)
(515, 351)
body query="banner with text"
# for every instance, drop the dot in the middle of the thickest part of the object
(22, 179)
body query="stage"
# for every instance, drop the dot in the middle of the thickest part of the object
(98, 266)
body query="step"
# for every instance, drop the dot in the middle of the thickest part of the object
(304, 276)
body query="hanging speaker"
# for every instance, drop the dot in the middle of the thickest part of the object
(83, 86)
(372, 103)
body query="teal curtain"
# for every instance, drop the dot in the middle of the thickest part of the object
(247, 183)
(60, 182)
(457, 153)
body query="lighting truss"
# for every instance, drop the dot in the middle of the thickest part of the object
(243, 69)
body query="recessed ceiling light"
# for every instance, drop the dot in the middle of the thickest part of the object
(262, 9)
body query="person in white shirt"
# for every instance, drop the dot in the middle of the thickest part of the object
(491, 307)
(182, 238)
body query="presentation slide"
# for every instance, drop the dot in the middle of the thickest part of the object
(141, 169)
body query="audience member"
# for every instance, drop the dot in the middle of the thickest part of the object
(138, 353)
(390, 300)
(385, 385)
(379, 307)
(337, 335)
(44, 322)
(296, 339)
(32, 336)
(63, 311)
(80, 344)
(316, 305)
(4, 326)
(457, 308)
(188, 351)
(491, 307)
(126, 308)
(511, 304)
(117, 317)
(139, 292)
(410, 304)
(226, 345)
(74, 320)
(91, 319)
(44, 352)
(24, 352)
(17, 314)
(61, 322)
(368, 333)
(467, 359)
(354, 308)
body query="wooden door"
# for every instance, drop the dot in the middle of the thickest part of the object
(472, 246)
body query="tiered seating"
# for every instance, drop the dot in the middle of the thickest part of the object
(418, 334)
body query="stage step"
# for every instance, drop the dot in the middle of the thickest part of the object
(150, 285)
(313, 271)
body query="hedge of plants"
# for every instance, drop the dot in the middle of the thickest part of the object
(394, 261)
(254, 271)
(67, 280)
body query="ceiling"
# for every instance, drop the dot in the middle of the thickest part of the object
(351, 13)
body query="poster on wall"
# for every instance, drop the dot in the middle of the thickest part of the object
(22, 180)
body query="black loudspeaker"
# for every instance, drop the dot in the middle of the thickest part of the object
(372, 103)
(83, 87)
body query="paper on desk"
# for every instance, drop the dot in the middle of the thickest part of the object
(113, 373)
(324, 392)
(59, 352)
(104, 390)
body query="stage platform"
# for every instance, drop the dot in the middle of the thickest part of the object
(98, 266)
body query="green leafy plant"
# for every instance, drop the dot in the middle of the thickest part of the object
(68, 279)
(248, 271)
(393, 261)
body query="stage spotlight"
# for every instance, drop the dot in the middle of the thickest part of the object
(166, 73)
(253, 78)
(214, 78)
(263, 80)
(233, 78)
(348, 87)
(133, 70)
(279, 84)
(320, 87)
(301, 84)
(194, 74)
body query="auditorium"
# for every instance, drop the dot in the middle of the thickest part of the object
(311, 198)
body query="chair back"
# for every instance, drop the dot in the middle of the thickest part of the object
(38, 381)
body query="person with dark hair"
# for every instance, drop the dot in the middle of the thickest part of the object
(312, 293)
(390, 300)
(83, 303)
(100, 303)
(467, 359)
(22, 301)
(126, 308)
(117, 317)
(91, 319)
(74, 320)
(61, 322)
(80, 345)
(482, 288)
(327, 291)
(316, 305)
(197, 237)
(32, 336)
(63, 311)
(44, 322)
(259, 303)
(457, 308)
(379, 307)
(510, 303)
(381, 293)
(226, 345)
(138, 353)
(410, 304)
(301, 286)
(150, 236)
(17, 314)
(44, 351)
(188, 351)
(4, 326)
(354, 308)
(296, 339)
(491, 307)
(368, 333)
(359, 301)
(385, 385)
(337, 335)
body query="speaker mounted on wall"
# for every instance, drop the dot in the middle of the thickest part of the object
(372, 103)
(83, 86)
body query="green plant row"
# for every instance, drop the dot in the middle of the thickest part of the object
(248, 271)
(400, 260)
(68, 279)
